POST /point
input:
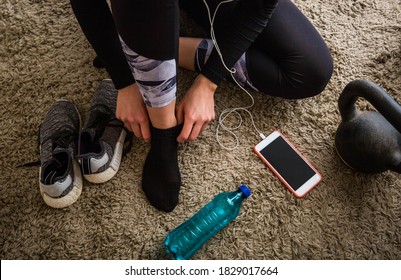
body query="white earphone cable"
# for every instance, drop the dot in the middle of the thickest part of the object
(227, 112)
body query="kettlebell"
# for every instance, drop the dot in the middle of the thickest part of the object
(369, 141)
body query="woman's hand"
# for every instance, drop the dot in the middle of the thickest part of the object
(196, 109)
(131, 110)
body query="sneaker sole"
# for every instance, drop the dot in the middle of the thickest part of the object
(109, 173)
(72, 196)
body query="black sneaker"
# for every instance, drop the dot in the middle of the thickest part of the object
(60, 179)
(103, 137)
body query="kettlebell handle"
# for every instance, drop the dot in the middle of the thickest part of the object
(376, 95)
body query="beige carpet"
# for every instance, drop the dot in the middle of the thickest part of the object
(44, 56)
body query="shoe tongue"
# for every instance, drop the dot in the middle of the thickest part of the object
(91, 132)
(89, 142)
(56, 169)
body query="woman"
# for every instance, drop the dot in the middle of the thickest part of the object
(270, 44)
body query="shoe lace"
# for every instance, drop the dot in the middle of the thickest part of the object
(103, 117)
(62, 139)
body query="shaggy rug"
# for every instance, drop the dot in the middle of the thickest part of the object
(349, 215)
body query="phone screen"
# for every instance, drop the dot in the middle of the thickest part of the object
(286, 161)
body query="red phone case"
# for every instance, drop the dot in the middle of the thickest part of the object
(279, 176)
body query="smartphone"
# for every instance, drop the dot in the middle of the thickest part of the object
(288, 164)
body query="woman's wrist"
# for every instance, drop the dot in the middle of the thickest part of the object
(204, 82)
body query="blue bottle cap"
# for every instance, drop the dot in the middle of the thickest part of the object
(245, 190)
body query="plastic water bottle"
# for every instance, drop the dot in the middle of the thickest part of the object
(187, 238)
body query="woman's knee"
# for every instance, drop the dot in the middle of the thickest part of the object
(308, 80)
(294, 77)
(318, 76)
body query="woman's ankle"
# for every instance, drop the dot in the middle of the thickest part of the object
(164, 117)
(165, 124)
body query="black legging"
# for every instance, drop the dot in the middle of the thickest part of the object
(289, 58)
(149, 27)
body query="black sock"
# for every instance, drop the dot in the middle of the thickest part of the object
(161, 178)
